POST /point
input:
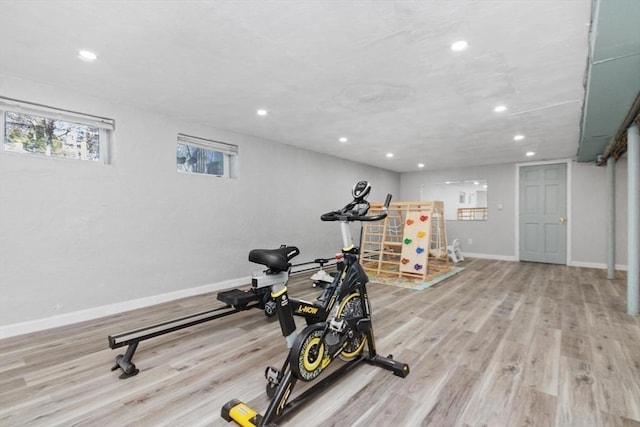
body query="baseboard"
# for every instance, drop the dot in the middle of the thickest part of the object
(598, 265)
(490, 256)
(107, 310)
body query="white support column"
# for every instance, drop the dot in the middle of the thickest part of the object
(611, 218)
(633, 253)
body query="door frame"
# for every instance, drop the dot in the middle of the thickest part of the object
(569, 213)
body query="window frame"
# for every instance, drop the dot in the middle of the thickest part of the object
(105, 126)
(230, 153)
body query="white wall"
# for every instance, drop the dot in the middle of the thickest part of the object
(77, 235)
(590, 195)
(475, 195)
(496, 237)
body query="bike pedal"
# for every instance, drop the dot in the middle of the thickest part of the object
(272, 375)
(337, 325)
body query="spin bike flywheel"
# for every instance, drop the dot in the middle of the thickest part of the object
(309, 356)
(350, 307)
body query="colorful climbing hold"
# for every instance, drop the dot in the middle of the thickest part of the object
(409, 221)
(407, 241)
(405, 260)
(423, 218)
(421, 234)
(419, 250)
(418, 266)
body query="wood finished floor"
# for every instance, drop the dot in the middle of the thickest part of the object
(500, 344)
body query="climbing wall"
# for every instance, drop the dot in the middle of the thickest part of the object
(416, 242)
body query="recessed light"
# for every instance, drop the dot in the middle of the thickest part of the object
(87, 55)
(500, 109)
(447, 182)
(389, 155)
(476, 183)
(530, 153)
(518, 137)
(420, 165)
(262, 112)
(343, 139)
(459, 45)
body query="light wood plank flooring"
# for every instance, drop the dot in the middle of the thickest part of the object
(501, 344)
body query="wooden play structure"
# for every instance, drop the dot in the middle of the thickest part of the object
(411, 242)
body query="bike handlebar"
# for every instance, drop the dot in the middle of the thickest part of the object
(386, 202)
(349, 214)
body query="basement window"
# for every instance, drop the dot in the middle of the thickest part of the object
(205, 156)
(39, 130)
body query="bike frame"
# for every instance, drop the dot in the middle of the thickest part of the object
(350, 279)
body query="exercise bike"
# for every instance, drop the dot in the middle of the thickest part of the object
(337, 327)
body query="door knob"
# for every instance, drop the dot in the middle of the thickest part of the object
(563, 220)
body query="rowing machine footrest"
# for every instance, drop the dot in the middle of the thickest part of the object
(238, 298)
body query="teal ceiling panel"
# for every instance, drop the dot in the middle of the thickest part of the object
(590, 148)
(613, 80)
(617, 29)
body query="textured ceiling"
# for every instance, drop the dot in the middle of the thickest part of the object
(380, 73)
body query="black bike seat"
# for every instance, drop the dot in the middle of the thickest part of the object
(275, 259)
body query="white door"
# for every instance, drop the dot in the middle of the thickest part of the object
(543, 213)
